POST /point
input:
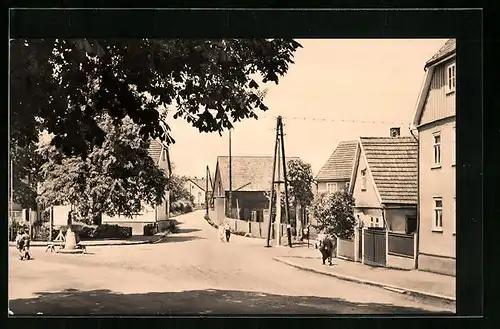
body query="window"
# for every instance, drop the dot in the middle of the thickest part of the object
(371, 221)
(437, 149)
(363, 180)
(453, 146)
(331, 187)
(437, 223)
(454, 215)
(450, 78)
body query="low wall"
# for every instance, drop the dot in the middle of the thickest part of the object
(345, 248)
(437, 264)
(407, 263)
(137, 227)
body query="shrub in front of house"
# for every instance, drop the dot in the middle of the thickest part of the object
(150, 229)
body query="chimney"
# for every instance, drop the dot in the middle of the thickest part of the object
(395, 132)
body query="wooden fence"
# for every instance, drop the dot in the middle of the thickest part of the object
(380, 248)
(400, 244)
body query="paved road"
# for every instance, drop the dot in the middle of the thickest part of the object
(191, 273)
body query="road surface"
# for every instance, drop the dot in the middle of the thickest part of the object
(192, 272)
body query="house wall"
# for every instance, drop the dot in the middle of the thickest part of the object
(369, 216)
(197, 193)
(367, 198)
(437, 248)
(438, 103)
(248, 201)
(137, 222)
(396, 218)
(322, 186)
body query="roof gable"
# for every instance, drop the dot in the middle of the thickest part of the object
(155, 152)
(447, 50)
(340, 164)
(201, 183)
(393, 166)
(249, 173)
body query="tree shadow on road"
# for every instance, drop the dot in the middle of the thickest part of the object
(187, 230)
(195, 302)
(176, 238)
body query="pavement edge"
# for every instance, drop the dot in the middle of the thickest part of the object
(409, 292)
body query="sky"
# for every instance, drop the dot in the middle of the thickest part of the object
(373, 82)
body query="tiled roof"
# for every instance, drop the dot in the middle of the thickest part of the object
(340, 164)
(256, 170)
(448, 48)
(155, 148)
(393, 164)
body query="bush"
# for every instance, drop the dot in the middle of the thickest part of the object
(334, 213)
(150, 229)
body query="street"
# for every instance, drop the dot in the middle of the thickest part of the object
(192, 272)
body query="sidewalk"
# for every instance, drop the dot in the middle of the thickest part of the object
(414, 282)
(134, 240)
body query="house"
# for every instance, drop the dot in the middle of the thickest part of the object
(435, 122)
(251, 181)
(196, 187)
(384, 184)
(338, 170)
(159, 152)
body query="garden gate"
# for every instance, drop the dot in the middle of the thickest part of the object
(375, 247)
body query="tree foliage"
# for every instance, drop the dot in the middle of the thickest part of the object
(119, 177)
(300, 179)
(63, 86)
(335, 213)
(25, 164)
(178, 190)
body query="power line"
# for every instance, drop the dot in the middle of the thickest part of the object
(342, 120)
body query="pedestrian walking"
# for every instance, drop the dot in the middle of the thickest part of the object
(23, 243)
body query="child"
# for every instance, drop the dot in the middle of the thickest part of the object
(23, 244)
(227, 230)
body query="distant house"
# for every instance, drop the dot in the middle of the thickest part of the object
(337, 172)
(384, 185)
(196, 187)
(251, 180)
(435, 121)
(159, 152)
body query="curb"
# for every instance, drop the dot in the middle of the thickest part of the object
(132, 243)
(410, 292)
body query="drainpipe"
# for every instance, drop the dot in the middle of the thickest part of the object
(412, 128)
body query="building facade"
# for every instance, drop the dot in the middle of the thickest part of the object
(384, 185)
(435, 122)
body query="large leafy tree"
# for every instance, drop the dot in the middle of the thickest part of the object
(178, 190)
(64, 85)
(300, 179)
(25, 164)
(118, 177)
(335, 213)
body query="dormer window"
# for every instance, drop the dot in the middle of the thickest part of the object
(450, 78)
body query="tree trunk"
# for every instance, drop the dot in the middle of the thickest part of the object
(298, 221)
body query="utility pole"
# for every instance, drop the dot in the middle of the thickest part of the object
(11, 198)
(287, 209)
(278, 200)
(230, 179)
(272, 188)
(280, 157)
(206, 190)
